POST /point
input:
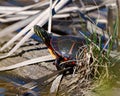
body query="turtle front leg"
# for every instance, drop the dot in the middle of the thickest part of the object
(57, 63)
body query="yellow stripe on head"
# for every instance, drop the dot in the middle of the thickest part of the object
(43, 34)
(45, 37)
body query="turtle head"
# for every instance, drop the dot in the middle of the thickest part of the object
(42, 34)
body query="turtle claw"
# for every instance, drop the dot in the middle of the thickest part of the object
(57, 63)
(63, 66)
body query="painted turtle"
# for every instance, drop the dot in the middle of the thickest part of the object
(63, 48)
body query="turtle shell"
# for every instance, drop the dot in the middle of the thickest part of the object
(67, 46)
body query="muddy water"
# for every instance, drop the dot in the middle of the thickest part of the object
(13, 86)
(10, 85)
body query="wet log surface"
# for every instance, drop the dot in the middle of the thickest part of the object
(31, 49)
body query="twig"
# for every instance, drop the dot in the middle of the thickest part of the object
(28, 62)
(55, 85)
(12, 19)
(6, 8)
(50, 18)
(110, 16)
(118, 6)
(28, 12)
(16, 26)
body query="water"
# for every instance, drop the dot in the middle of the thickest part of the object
(12, 85)
(8, 89)
(9, 85)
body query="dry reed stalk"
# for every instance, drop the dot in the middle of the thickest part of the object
(40, 20)
(27, 28)
(55, 85)
(70, 9)
(6, 8)
(17, 18)
(26, 8)
(50, 18)
(28, 12)
(13, 19)
(110, 29)
(17, 26)
(118, 6)
(28, 62)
